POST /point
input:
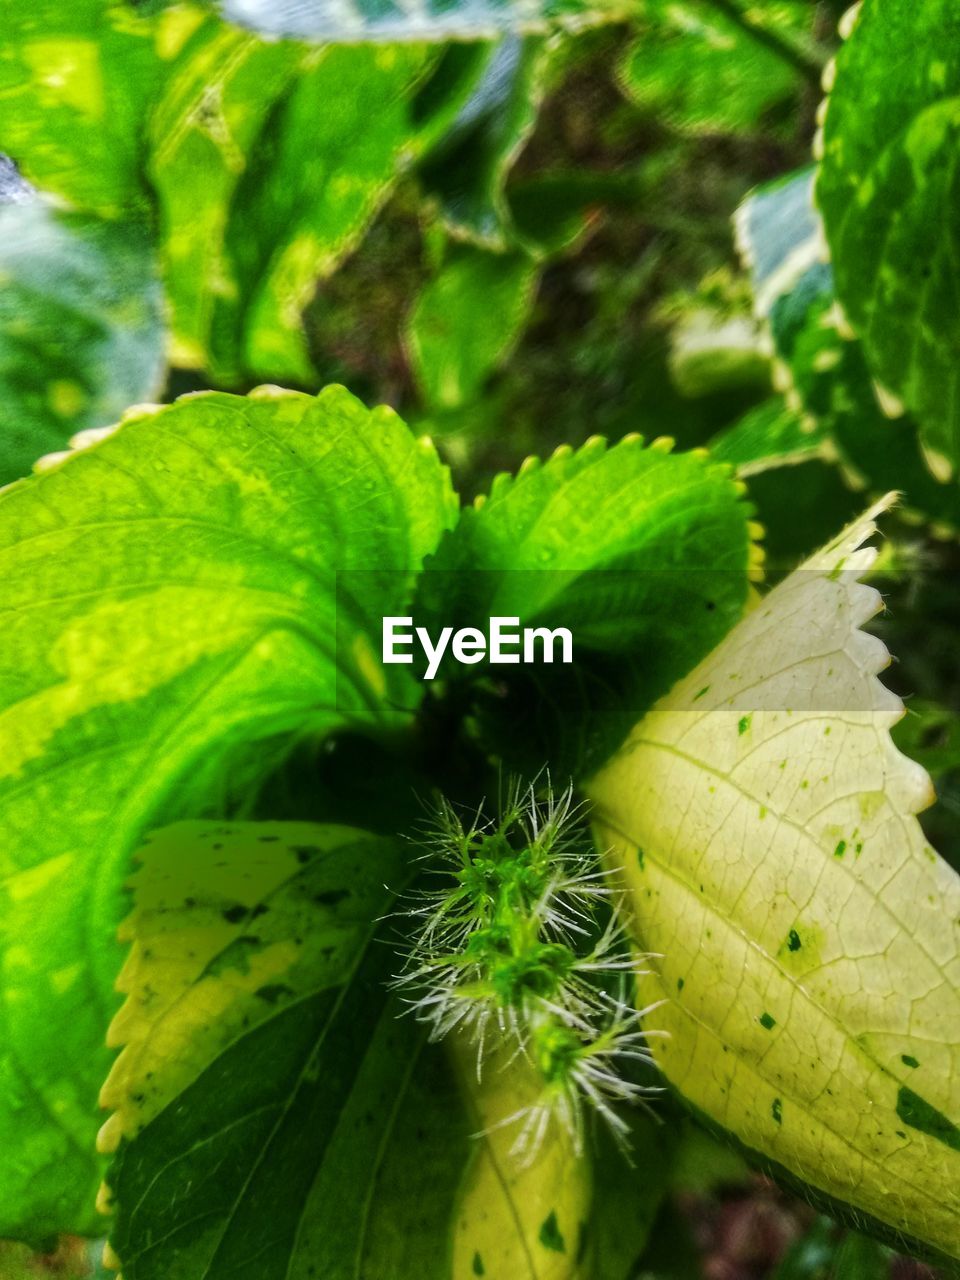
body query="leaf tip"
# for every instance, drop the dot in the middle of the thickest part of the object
(111, 1131)
(849, 20)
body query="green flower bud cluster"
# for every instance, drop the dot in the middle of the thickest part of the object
(521, 944)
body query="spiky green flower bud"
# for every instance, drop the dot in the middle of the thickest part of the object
(513, 947)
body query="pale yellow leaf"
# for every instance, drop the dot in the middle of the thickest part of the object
(808, 936)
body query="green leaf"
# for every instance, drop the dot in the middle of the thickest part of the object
(274, 1111)
(552, 212)
(769, 436)
(642, 553)
(275, 1115)
(888, 192)
(528, 1217)
(184, 598)
(75, 84)
(81, 328)
(703, 71)
(433, 20)
(798, 507)
(269, 162)
(701, 1163)
(810, 1257)
(260, 162)
(466, 321)
(826, 1254)
(467, 172)
(821, 364)
(930, 734)
(799, 930)
(860, 1258)
(544, 545)
(627, 1197)
(713, 353)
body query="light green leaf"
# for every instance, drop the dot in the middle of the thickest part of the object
(181, 605)
(887, 189)
(466, 321)
(544, 544)
(771, 435)
(268, 162)
(528, 1217)
(262, 162)
(820, 363)
(81, 328)
(643, 554)
(430, 20)
(703, 71)
(274, 1114)
(75, 83)
(805, 937)
(713, 353)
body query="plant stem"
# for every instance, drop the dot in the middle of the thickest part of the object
(807, 66)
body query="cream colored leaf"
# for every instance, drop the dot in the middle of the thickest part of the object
(517, 1218)
(809, 936)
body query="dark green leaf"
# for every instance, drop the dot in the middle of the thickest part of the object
(298, 1122)
(466, 321)
(771, 435)
(824, 1253)
(810, 1257)
(627, 1197)
(860, 1258)
(467, 172)
(553, 211)
(930, 735)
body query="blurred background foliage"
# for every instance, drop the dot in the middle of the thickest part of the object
(557, 261)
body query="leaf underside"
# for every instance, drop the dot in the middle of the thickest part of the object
(810, 937)
(81, 328)
(426, 20)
